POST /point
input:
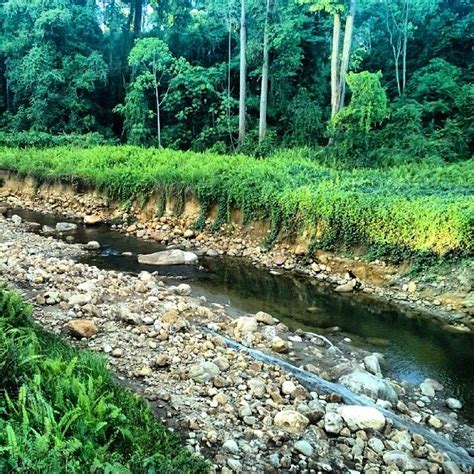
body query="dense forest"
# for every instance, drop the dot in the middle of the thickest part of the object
(379, 81)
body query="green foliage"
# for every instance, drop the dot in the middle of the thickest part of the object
(353, 125)
(417, 208)
(61, 411)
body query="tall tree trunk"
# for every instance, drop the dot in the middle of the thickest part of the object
(262, 129)
(405, 41)
(346, 50)
(243, 72)
(158, 118)
(336, 33)
(137, 18)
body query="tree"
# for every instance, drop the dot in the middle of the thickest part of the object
(339, 59)
(243, 73)
(153, 67)
(264, 84)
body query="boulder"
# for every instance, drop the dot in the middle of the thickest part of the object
(16, 219)
(374, 387)
(203, 372)
(360, 418)
(279, 345)
(453, 403)
(246, 324)
(372, 364)
(168, 257)
(265, 318)
(92, 245)
(82, 327)
(79, 299)
(346, 287)
(291, 421)
(404, 461)
(92, 219)
(65, 226)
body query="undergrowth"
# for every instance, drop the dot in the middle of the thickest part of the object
(60, 411)
(407, 210)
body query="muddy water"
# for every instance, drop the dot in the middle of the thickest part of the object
(415, 348)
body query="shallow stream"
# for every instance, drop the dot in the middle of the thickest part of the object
(415, 347)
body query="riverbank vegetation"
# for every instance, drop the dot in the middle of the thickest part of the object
(60, 410)
(399, 211)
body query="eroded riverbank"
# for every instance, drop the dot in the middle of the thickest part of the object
(445, 294)
(228, 403)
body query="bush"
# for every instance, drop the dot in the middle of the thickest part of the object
(46, 140)
(418, 207)
(60, 411)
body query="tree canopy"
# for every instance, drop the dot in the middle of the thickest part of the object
(167, 73)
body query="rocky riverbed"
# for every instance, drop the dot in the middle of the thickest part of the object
(244, 415)
(446, 295)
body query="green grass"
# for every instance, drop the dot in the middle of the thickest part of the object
(405, 210)
(60, 411)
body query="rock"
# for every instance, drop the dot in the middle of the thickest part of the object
(362, 418)
(313, 410)
(92, 245)
(376, 444)
(257, 387)
(404, 461)
(333, 423)
(367, 384)
(117, 353)
(79, 299)
(265, 318)
(168, 257)
(288, 387)
(427, 389)
(450, 467)
(279, 345)
(411, 287)
(203, 372)
(304, 447)
(279, 260)
(188, 234)
(183, 289)
(435, 422)
(372, 364)
(16, 219)
(212, 253)
(435, 384)
(291, 421)
(347, 287)
(82, 327)
(315, 267)
(231, 446)
(65, 227)
(92, 219)
(246, 324)
(235, 465)
(3, 210)
(453, 403)
(161, 361)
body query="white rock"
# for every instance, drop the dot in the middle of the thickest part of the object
(92, 245)
(291, 421)
(168, 257)
(288, 387)
(265, 318)
(453, 403)
(376, 444)
(204, 371)
(65, 226)
(427, 389)
(372, 364)
(16, 219)
(304, 447)
(183, 289)
(231, 446)
(246, 324)
(364, 383)
(333, 422)
(360, 418)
